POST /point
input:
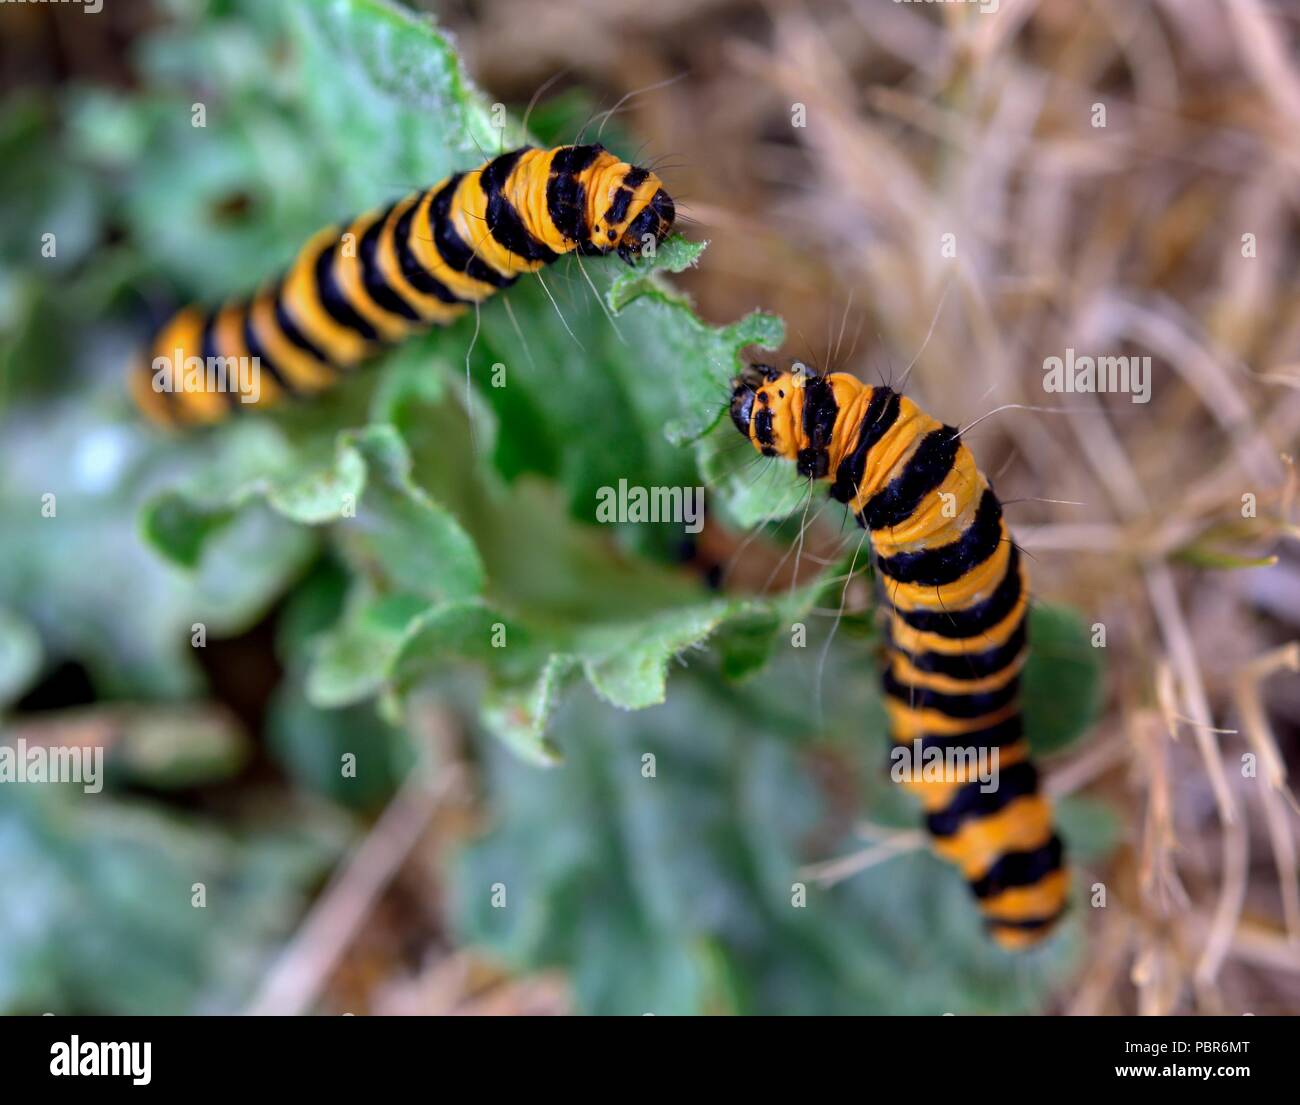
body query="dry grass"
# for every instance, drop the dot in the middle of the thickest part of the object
(931, 120)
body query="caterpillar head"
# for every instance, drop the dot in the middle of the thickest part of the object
(605, 204)
(766, 406)
(652, 222)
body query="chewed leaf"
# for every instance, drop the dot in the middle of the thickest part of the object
(628, 665)
(752, 488)
(248, 461)
(352, 660)
(387, 523)
(317, 496)
(677, 254)
(466, 629)
(701, 360)
(519, 714)
(523, 685)
(748, 639)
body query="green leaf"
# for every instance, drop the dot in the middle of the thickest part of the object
(749, 637)
(417, 545)
(389, 99)
(248, 460)
(628, 665)
(519, 715)
(752, 488)
(320, 496)
(352, 660)
(1091, 828)
(669, 889)
(71, 488)
(676, 254)
(567, 593)
(524, 680)
(468, 630)
(348, 754)
(179, 529)
(387, 524)
(701, 360)
(105, 923)
(20, 655)
(1061, 685)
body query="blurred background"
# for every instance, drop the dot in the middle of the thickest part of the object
(964, 190)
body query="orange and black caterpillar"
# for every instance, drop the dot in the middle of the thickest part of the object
(956, 594)
(421, 261)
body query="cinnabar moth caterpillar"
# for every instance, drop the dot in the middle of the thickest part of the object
(421, 261)
(956, 591)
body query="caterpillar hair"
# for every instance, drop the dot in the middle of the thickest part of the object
(421, 261)
(955, 592)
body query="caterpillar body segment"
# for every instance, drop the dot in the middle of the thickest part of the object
(422, 261)
(955, 591)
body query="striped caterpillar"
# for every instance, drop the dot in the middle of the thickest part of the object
(956, 595)
(421, 261)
